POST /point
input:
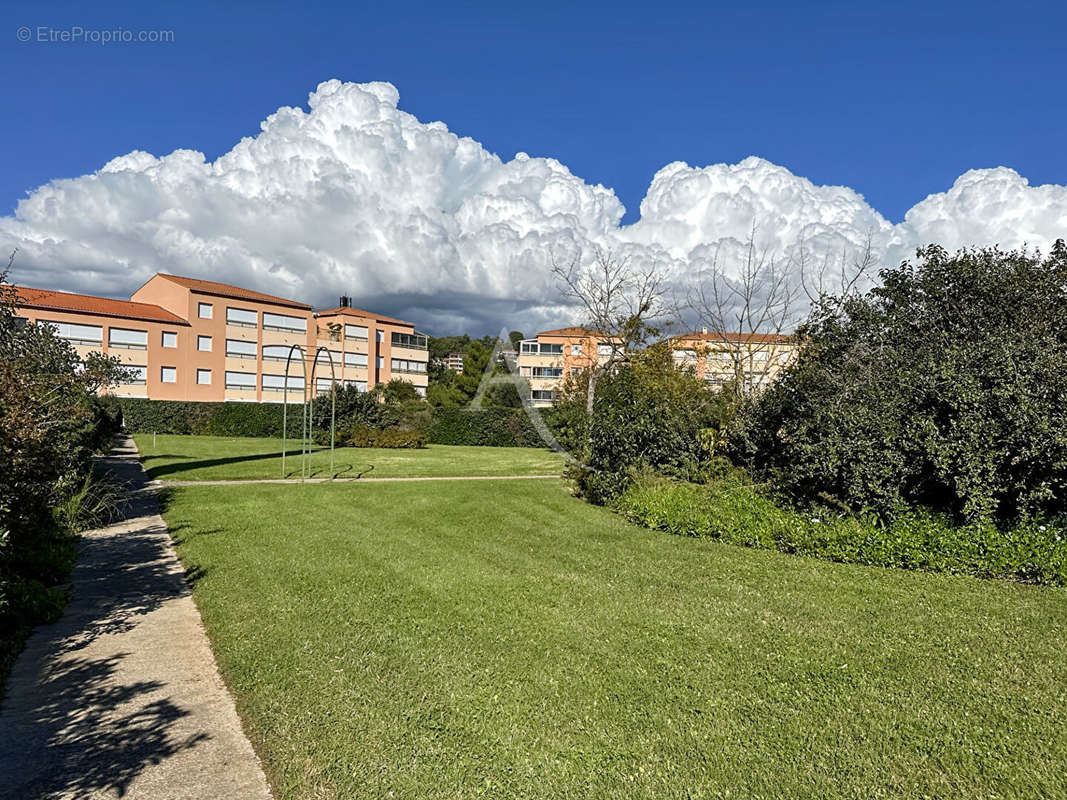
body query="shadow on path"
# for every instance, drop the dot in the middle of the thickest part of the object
(105, 702)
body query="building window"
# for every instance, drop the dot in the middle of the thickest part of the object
(381, 362)
(576, 349)
(685, 355)
(322, 385)
(77, 334)
(127, 339)
(359, 386)
(276, 383)
(415, 341)
(203, 343)
(356, 332)
(380, 336)
(283, 322)
(170, 339)
(204, 310)
(604, 349)
(276, 352)
(551, 349)
(356, 360)
(328, 358)
(168, 374)
(547, 372)
(241, 317)
(203, 377)
(244, 381)
(138, 375)
(528, 347)
(238, 348)
(404, 365)
(543, 394)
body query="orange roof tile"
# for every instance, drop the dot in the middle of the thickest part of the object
(359, 312)
(48, 299)
(574, 330)
(227, 290)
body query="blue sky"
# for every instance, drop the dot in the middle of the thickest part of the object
(894, 100)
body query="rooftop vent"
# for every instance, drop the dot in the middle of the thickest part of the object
(346, 301)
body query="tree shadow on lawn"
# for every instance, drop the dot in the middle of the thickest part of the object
(158, 472)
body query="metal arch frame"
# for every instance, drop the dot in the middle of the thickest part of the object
(333, 397)
(285, 407)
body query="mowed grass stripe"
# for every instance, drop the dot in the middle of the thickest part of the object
(504, 639)
(196, 458)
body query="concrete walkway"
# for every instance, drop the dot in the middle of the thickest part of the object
(122, 697)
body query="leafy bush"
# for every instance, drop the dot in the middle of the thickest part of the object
(734, 511)
(362, 436)
(489, 427)
(51, 423)
(650, 414)
(945, 388)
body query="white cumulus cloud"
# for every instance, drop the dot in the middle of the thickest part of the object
(355, 196)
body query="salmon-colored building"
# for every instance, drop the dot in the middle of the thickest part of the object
(191, 339)
(754, 359)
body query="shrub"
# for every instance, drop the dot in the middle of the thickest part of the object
(946, 387)
(362, 436)
(734, 511)
(491, 427)
(650, 414)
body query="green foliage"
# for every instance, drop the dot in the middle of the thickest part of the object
(92, 502)
(492, 427)
(945, 388)
(51, 423)
(734, 511)
(208, 419)
(449, 390)
(363, 436)
(650, 414)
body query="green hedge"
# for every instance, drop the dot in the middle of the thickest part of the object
(491, 427)
(207, 419)
(364, 436)
(735, 512)
(486, 427)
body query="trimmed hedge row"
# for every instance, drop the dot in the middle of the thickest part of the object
(488, 427)
(733, 511)
(206, 419)
(364, 436)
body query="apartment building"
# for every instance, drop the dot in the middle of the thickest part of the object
(717, 358)
(550, 357)
(454, 362)
(754, 359)
(191, 339)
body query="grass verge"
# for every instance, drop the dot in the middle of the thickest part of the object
(454, 640)
(197, 458)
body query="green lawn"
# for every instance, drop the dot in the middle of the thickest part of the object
(502, 639)
(201, 458)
